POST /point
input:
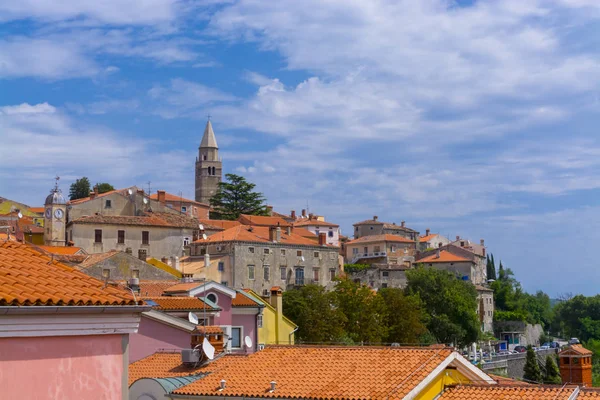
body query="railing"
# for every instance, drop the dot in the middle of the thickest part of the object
(360, 256)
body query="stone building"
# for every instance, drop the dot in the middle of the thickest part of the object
(258, 258)
(191, 208)
(444, 260)
(55, 218)
(375, 227)
(209, 168)
(485, 308)
(152, 234)
(432, 241)
(316, 226)
(381, 276)
(380, 249)
(478, 275)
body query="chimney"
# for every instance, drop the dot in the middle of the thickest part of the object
(206, 261)
(129, 250)
(293, 214)
(276, 301)
(375, 217)
(161, 196)
(427, 232)
(272, 235)
(482, 242)
(303, 213)
(437, 254)
(270, 210)
(322, 239)
(403, 224)
(288, 230)
(187, 278)
(311, 215)
(278, 234)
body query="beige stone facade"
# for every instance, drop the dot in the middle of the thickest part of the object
(380, 249)
(209, 168)
(375, 227)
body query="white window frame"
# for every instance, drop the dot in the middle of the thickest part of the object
(259, 320)
(208, 294)
(241, 328)
(253, 272)
(266, 272)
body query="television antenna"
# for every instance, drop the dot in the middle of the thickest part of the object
(208, 348)
(193, 318)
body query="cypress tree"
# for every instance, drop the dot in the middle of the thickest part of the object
(531, 371)
(552, 374)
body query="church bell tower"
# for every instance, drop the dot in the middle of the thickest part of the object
(209, 169)
(55, 218)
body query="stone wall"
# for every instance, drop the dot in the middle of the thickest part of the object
(516, 362)
(121, 265)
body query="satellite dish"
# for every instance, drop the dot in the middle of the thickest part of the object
(130, 191)
(204, 236)
(20, 215)
(145, 200)
(302, 258)
(193, 318)
(208, 349)
(201, 227)
(248, 342)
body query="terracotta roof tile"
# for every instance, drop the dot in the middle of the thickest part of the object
(63, 250)
(28, 277)
(516, 392)
(183, 287)
(166, 364)
(174, 198)
(209, 330)
(84, 199)
(427, 238)
(259, 220)
(502, 380)
(179, 303)
(305, 233)
(577, 349)
(381, 238)
(313, 222)
(445, 256)
(244, 300)
(155, 288)
(219, 223)
(38, 210)
(323, 373)
(157, 219)
(589, 393)
(255, 234)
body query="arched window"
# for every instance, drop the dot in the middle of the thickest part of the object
(214, 171)
(208, 169)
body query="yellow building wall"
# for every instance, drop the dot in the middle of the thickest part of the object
(165, 267)
(271, 333)
(449, 376)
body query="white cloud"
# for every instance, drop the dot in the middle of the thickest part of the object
(25, 108)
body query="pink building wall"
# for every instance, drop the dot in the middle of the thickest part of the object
(249, 324)
(224, 302)
(152, 336)
(62, 367)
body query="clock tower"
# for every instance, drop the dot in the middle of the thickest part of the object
(55, 218)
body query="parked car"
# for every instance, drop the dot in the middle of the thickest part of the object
(574, 340)
(550, 345)
(520, 349)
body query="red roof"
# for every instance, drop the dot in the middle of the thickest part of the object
(255, 234)
(444, 257)
(259, 220)
(380, 238)
(313, 222)
(156, 219)
(427, 238)
(171, 198)
(179, 303)
(219, 223)
(63, 250)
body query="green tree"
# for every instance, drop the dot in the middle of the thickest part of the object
(365, 312)
(531, 371)
(551, 372)
(491, 268)
(79, 189)
(313, 309)
(236, 197)
(406, 318)
(451, 303)
(104, 187)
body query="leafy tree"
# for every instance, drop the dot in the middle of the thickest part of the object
(531, 371)
(579, 317)
(352, 268)
(406, 317)
(365, 312)
(235, 197)
(312, 308)
(551, 372)
(104, 187)
(451, 303)
(79, 189)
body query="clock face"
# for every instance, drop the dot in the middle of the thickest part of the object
(48, 213)
(58, 213)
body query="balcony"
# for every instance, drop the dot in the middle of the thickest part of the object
(362, 256)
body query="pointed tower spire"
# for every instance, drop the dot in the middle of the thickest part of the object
(209, 139)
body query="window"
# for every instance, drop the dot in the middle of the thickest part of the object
(106, 273)
(283, 272)
(251, 272)
(236, 338)
(332, 274)
(333, 255)
(299, 276)
(377, 249)
(98, 235)
(266, 251)
(371, 228)
(385, 274)
(203, 251)
(208, 170)
(212, 298)
(384, 285)
(204, 157)
(355, 251)
(366, 250)
(224, 283)
(266, 272)
(330, 233)
(393, 249)
(259, 320)
(183, 209)
(121, 237)
(214, 171)
(108, 204)
(283, 252)
(251, 250)
(145, 237)
(135, 273)
(316, 254)
(221, 266)
(299, 253)
(315, 274)
(186, 241)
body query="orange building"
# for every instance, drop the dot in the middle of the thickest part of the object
(576, 365)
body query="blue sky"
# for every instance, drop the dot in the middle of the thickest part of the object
(472, 118)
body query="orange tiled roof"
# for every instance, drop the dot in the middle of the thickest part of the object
(255, 234)
(259, 220)
(157, 219)
(63, 250)
(179, 303)
(219, 223)
(502, 380)
(155, 288)
(241, 300)
(516, 392)
(305, 233)
(174, 198)
(445, 256)
(167, 364)
(27, 277)
(323, 373)
(209, 330)
(381, 238)
(313, 222)
(589, 393)
(183, 287)
(427, 238)
(577, 349)
(84, 199)
(38, 210)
